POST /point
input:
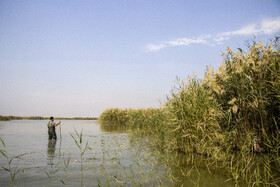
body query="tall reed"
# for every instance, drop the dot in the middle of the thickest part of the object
(227, 117)
(192, 119)
(12, 172)
(150, 120)
(79, 142)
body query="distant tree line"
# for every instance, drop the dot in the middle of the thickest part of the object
(8, 118)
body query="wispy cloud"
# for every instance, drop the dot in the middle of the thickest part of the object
(270, 26)
(178, 42)
(267, 26)
(247, 30)
(155, 47)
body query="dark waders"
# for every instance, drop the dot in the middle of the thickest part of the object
(51, 131)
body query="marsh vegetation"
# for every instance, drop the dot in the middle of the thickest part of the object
(230, 118)
(219, 130)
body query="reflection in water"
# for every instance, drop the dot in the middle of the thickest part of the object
(116, 159)
(51, 151)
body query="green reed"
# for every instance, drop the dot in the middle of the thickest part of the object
(12, 172)
(140, 169)
(79, 142)
(150, 120)
(62, 165)
(231, 117)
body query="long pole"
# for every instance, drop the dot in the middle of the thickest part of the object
(60, 130)
(60, 139)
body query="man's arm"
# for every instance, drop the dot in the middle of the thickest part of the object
(57, 123)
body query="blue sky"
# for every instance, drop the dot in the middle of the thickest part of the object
(77, 58)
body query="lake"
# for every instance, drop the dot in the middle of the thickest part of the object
(111, 158)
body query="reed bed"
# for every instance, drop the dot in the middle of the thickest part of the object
(150, 120)
(230, 117)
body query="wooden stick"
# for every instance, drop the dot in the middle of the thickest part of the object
(60, 130)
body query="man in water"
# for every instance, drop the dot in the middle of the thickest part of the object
(51, 128)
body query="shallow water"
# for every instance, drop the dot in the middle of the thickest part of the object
(113, 158)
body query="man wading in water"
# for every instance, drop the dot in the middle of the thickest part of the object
(51, 128)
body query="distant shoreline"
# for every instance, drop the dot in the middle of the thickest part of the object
(8, 118)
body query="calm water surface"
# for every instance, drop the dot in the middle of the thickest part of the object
(112, 159)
